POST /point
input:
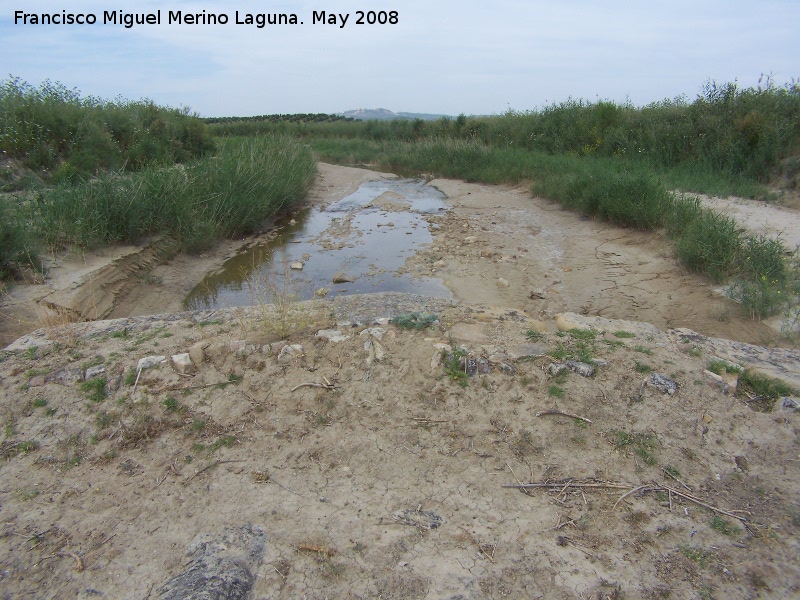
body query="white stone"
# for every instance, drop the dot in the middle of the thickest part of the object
(149, 362)
(182, 363)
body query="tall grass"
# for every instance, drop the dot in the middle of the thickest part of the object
(217, 197)
(53, 129)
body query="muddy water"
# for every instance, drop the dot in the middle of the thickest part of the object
(366, 236)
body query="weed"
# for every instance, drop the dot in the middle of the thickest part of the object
(102, 420)
(721, 525)
(642, 444)
(556, 391)
(695, 555)
(643, 350)
(760, 392)
(50, 412)
(582, 334)
(455, 366)
(130, 377)
(95, 389)
(39, 402)
(170, 404)
(642, 368)
(415, 320)
(120, 334)
(624, 334)
(223, 442)
(30, 353)
(672, 471)
(721, 366)
(695, 352)
(279, 299)
(533, 335)
(560, 352)
(199, 425)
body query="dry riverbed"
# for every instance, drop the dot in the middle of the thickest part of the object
(328, 453)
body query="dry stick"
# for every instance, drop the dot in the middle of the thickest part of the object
(668, 474)
(214, 464)
(634, 490)
(424, 420)
(555, 486)
(314, 385)
(138, 374)
(317, 549)
(708, 506)
(563, 414)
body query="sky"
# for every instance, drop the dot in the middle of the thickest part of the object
(441, 56)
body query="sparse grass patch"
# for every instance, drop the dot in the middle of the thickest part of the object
(760, 391)
(533, 335)
(696, 555)
(95, 389)
(720, 366)
(642, 368)
(643, 350)
(642, 444)
(722, 526)
(624, 334)
(415, 321)
(170, 404)
(556, 391)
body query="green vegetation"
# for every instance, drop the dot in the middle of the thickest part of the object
(642, 444)
(455, 367)
(416, 321)
(721, 525)
(721, 366)
(96, 173)
(760, 391)
(62, 136)
(556, 391)
(95, 389)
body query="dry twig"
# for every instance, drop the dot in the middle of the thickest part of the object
(563, 414)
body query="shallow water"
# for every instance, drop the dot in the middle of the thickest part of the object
(367, 235)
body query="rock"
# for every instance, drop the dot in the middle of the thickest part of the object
(376, 332)
(296, 266)
(36, 381)
(483, 366)
(581, 368)
(197, 352)
(527, 351)
(470, 239)
(289, 353)
(341, 277)
(95, 371)
(64, 376)
(556, 368)
(221, 567)
(274, 347)
(182, 363)
(149, 362)
(322, 292)
(785, 404)
(707, 419)
(332, 335)
(662, 383)
(507, 368)
(421, 519)
(600, 362)
(719, 381)
(502, 282)
(537, 295)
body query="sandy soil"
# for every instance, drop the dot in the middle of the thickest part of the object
(386, 479)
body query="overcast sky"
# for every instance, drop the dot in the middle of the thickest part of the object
(443, 56)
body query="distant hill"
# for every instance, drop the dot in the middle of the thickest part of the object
(382, 114)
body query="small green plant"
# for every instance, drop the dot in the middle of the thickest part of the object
(39, 402)
(721, 366)
(453, 366)
(95, 389)
(49, 412)
(695, 352)
(30, 353)
(556, 391)
(120, 334)
(695, 555)
(102, 420)
(672, 471)
(624, 334)
(170, 404)
(199, 425)
(130, 377)
(642, 368)
(582, 334)
(223, 442)
(533, 335)
(642, 444)
(643, 350)
(721, 525)
(760, 391)
(415, 320)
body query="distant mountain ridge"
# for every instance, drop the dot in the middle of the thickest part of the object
(383, 114)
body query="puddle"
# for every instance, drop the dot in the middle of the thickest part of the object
(367, 236)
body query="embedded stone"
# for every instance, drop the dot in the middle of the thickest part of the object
(183, 364)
